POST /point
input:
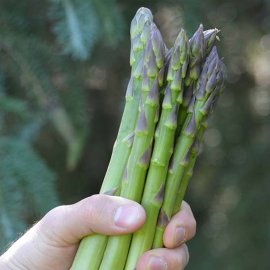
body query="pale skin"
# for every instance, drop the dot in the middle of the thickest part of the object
(52, 242)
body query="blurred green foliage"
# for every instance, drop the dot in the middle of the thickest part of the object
(63, 75)
(26, 187)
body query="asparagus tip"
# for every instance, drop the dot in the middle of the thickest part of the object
(197, 41)
(210, 36)
(179, 56)
(158, 45)
(143, 16)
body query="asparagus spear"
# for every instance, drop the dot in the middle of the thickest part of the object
(90, 252)
(195, 149)
(139, 32)
(133, 182)
(189, 169)
(154, 187)
(210, 37)
(208, 87)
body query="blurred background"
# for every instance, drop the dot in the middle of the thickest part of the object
(64, 67)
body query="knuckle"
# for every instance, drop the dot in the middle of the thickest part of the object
(48, 226)
(52, 215)
(93, 206)
(185, 205)
(87, 207)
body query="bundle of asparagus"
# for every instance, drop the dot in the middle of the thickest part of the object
(169, 97)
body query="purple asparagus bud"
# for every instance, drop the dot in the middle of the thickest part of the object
(188, 95)
(141, 123)
(190, 128)
(209, 103)
(158, 46)
(176, 83)
(210, 36)
(143, 16)
(163, 219)
(179, 98)
(145, 81)
(186, 158)
(129, 92)
(207, 80)
(211, 83)
(153, 96)
(137, 72)
(197, 53)
(197, 43)
(146, 157)
(191, 104)
(167, 101)
(179, 56)
(152, 69)
(129, 139)
(171, 121)
(159, 196)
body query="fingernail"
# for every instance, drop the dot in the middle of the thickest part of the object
(179, 235)
(156, 263)
(127, 215)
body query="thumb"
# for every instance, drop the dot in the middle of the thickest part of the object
(102, 214)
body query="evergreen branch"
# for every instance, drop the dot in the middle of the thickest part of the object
(75, 27)
(27, 182)
(48, 102)
(111, 19)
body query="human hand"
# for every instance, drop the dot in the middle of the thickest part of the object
(52, 242)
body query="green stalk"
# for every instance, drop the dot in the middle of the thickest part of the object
(208, 87)
(189, 169)
(91, 249)
(155, 181)
(140, 30)
(133, 182)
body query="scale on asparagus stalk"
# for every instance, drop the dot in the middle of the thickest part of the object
(169, 97)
